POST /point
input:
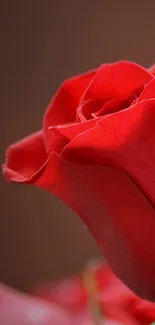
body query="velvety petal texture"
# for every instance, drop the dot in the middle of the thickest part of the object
(96, 152)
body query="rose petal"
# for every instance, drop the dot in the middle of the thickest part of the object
(118, 80)
(62, 108)
(88, 109)
(61, 135)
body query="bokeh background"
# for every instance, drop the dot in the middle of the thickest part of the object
(42, 42)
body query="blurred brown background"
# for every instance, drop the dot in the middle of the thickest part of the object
(42, 43)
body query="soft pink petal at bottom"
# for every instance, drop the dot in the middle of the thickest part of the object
(20, 309)
(85, 319)
(68, 293)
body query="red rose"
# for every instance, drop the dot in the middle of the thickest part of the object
(96, 152)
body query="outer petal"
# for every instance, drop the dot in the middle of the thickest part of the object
(118, 80)
(25, 158)
(62, 108)
(117, 214)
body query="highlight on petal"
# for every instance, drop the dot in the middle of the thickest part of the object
(117, 80)
(152, 69)
(62, 108)
(25, 159)
(148, 92)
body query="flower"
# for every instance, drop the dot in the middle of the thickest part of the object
(96, 153)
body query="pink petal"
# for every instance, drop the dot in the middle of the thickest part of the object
(19, 309)
(69, 293)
